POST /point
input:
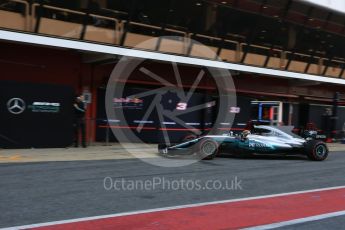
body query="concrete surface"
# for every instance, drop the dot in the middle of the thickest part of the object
(50, 191)
(95, 152)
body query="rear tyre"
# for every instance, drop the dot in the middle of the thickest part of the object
(316, 150)
(206, 149)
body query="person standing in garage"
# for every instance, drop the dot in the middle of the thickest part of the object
(79, 121)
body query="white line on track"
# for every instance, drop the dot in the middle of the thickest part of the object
(171, 208)
(297, 221)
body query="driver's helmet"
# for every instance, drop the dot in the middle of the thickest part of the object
(245, 133)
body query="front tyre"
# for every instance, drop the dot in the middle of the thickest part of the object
(316, 150)
(206, 149)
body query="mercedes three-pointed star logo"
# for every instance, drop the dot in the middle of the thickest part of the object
(16, 105)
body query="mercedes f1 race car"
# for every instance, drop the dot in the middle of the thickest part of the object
(260, 140)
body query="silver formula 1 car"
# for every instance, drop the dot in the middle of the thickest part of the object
(260, 140)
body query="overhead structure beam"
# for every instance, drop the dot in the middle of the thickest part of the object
(253, 33)
(310, 11)
(329, 15)
(285, 13)
(342, 71)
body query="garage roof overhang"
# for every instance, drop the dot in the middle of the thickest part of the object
(113, 50)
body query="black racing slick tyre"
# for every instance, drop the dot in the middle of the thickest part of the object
(206, 149)
(316, 150)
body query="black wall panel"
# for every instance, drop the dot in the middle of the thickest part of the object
(35, 115)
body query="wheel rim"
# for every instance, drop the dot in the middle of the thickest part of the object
(321, 151)
(209, 148)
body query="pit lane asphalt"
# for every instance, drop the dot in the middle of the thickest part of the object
(329, 223)
(51, 191)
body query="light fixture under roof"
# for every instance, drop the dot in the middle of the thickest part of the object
(224, 2)
(198, 4)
